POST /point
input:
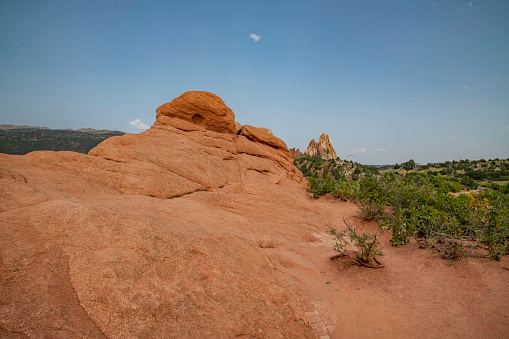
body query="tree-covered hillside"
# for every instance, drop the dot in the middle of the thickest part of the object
(471, 173)
(312, 166)
(23, 141)
(451, 176)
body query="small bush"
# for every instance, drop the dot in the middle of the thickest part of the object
(399, 227)
(346, 190)
(368, 244)
(448, 248)
(371, 210)
(322, 185)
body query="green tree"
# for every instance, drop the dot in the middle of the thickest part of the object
(409, 165)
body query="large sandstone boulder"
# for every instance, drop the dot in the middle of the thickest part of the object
(202, 109)
(152, 235)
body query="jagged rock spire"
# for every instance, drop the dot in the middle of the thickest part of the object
(322, 149)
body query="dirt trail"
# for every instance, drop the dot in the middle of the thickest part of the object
(417, 294)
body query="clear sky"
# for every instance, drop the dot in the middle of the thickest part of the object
(387, 80)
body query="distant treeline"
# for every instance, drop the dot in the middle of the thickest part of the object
(446, 177)
(480, 170)
(23, 141)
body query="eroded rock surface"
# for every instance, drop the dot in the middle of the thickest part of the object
(152, 235)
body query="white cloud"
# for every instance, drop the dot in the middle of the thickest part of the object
(507, 127)
(138, 124)
(466, 86)
(470, 4)
(359, 150)
(380, 149)
(255, 37)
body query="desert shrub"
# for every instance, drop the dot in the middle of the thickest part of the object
(400, 227)
(370, 189)
(367, 243)
(431, 222)
(446, 171)
(448, 248)
(346, 190)
(404, 195)
(489, 216)
(456, 206)
(454, 187)
(371, 210)
(477, 175)
(336, 173)
(305, 171)
(321, 185)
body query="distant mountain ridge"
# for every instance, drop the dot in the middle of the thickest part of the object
(17, 128)
(13, 128)
(21, 140)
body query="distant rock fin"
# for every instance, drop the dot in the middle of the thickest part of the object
(322, 149)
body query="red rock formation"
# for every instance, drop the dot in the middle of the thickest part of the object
(322, 149)
(202, 110)
(199, 227)
(295, 152)
(99, 245)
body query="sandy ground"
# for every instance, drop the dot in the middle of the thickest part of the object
(416, 295)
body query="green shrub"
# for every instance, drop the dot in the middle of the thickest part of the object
(371, 210)
(469, 183)
(368, 244)
(322, 185)
(399, 226)
(346, 190)
(489, 216)
(431, 222)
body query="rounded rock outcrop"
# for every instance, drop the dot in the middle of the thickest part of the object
(203, 109)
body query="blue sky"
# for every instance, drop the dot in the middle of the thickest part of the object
(387, 80)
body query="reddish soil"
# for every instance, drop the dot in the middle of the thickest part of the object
(417, 294)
